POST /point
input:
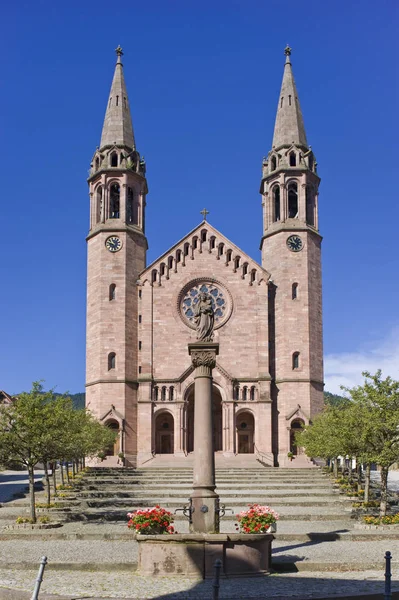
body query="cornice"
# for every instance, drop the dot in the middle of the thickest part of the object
(132, 382)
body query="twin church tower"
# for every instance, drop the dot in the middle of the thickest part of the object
(268, 380)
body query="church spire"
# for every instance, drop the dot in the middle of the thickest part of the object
(289, 127)
(118, 128)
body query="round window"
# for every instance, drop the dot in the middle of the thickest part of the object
(221, 301)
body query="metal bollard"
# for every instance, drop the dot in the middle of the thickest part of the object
(388, 575)
(39, 579)
(216, 584)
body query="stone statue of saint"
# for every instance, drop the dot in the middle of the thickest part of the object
(204, 318)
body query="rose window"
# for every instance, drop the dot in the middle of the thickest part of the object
(221, 302)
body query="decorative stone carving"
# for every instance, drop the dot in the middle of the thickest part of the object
(189, 299)
(204, 317)
(203, 358)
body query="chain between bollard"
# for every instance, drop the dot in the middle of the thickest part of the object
(216, 584)
(39, 579)
(388, 575)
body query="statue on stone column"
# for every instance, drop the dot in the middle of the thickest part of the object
(204, 318)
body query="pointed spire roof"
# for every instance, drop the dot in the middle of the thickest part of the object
(289, 125)
(118, 128)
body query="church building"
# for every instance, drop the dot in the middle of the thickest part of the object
(268, 379)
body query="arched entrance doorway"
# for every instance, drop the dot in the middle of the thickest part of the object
(296, 425)
(164, 433)
(217, 420)
(113, 449)
(245, 428)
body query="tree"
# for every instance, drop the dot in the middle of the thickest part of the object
(378, 400)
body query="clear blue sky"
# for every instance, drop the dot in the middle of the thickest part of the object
(203, 80)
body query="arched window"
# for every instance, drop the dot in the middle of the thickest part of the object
(293, 200)
(295, 360)
(273, 163)
(178, 256)
(154, 276)
(195, 243)
(97, 163)
(252, 393)
(171, 393)
(129, 205)
(276, 203)
(155, 393)
(111, 361)
(114, 201)
(292, 159)
(220, 249)
(236, 392)
(163, 393)
(114, 159)
(112, 291)
(245, 393)
(170, 262)
(229, 255)
(203, 235)
(294, 291)
(236, 262)
(309, 206)
(212, 243)
(244, 270)
(253, 275)
(99, 203)
(186, 249)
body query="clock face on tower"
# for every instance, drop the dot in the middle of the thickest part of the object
(294, 243)
(113, 243)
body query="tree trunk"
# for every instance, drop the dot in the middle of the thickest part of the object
(62, 473)
(84, 462)
(367, 483)
(336, 468)
(67, 473)
(54, 478)
(73, 468)
(32, 507)
(384, 491)
(47, 478)
(359, 475)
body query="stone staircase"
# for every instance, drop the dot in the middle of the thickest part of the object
(107, 494)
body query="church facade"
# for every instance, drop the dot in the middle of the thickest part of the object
(268, 379)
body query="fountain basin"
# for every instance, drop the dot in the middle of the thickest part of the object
(194, 554)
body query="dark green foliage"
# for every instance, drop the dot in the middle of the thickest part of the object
(334, 399)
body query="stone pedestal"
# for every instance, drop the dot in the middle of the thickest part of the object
(194, 555)
(205, 501)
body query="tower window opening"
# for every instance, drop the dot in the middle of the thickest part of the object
(140, 345)
(114, 201)
(163, 393)
(203, 235)
(111, 361)
(236, 392)
(252, 393)
(114, 159)
(289, 100)
(97, 163)
(245, 393)
(293, 200)
(295, 360)
(117, 101)
(140, 294)
(274, 163)
(129, 205)
(294, 293)
(276, 202)
(139, 369)
(140, 318)
(281, 101)
(292, 159)
(99, 203)
(310, 162)
(171, 393)
(309, 206)
(112, 291)
(170, 262)
(244, 270)
(253, 275)
(124, 101)
(155, 393)
(162, 270)
(178, 256)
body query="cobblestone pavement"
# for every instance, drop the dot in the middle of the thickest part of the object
(128, 585)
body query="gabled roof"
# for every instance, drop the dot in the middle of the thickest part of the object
(220, 249)
(6, 398)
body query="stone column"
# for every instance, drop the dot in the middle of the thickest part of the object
(204, 499)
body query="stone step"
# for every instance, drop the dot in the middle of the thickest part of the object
(171, 491)
(228, 501)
